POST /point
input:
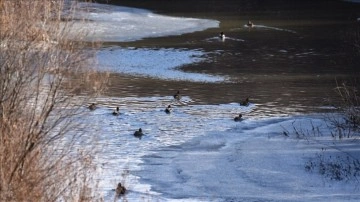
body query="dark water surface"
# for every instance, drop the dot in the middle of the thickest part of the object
(289, 61)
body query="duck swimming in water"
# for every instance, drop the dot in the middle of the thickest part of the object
(168, 109)
(222, 36)
(238, 118)
(250, 24)
(245, 102)
(138, 133)
(120, 190)
(92, 106)
(177, 96)
(116, 111)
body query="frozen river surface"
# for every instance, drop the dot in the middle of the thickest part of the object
(198, 152)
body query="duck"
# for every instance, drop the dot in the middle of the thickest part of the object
(138, 133)
(177, 96)
(250, 24)
(238, 118)
(245, 102)
(120, 190)
(116, 111)
(92, 106)
(168, 109)
(222, 36)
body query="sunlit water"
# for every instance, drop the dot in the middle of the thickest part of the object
(198, 152)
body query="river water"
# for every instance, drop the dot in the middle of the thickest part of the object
(288, 64)
(291, 58)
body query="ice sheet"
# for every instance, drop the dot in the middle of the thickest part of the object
(110, 23)
(160, 63)
(199, 153)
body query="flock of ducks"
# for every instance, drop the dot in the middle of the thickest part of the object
(245, 103)
(120, 189)
(168, 110)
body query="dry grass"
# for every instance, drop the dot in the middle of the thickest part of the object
(41, 73)
(349, 108)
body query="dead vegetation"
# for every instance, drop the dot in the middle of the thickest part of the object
(42, 73)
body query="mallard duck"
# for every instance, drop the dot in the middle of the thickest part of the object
(120, 190)
(92, 106)
(138, 133)
(116, 111)
(168, 109)
(250, 24)
(222, 36)
(177, 96)
(238, 118)
(245, 102)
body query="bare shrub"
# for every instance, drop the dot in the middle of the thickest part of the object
(346, 122)
(350, 104)
(334, 161)
(42, 74)
(334, 167)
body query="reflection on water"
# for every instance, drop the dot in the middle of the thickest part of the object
(272, 28)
